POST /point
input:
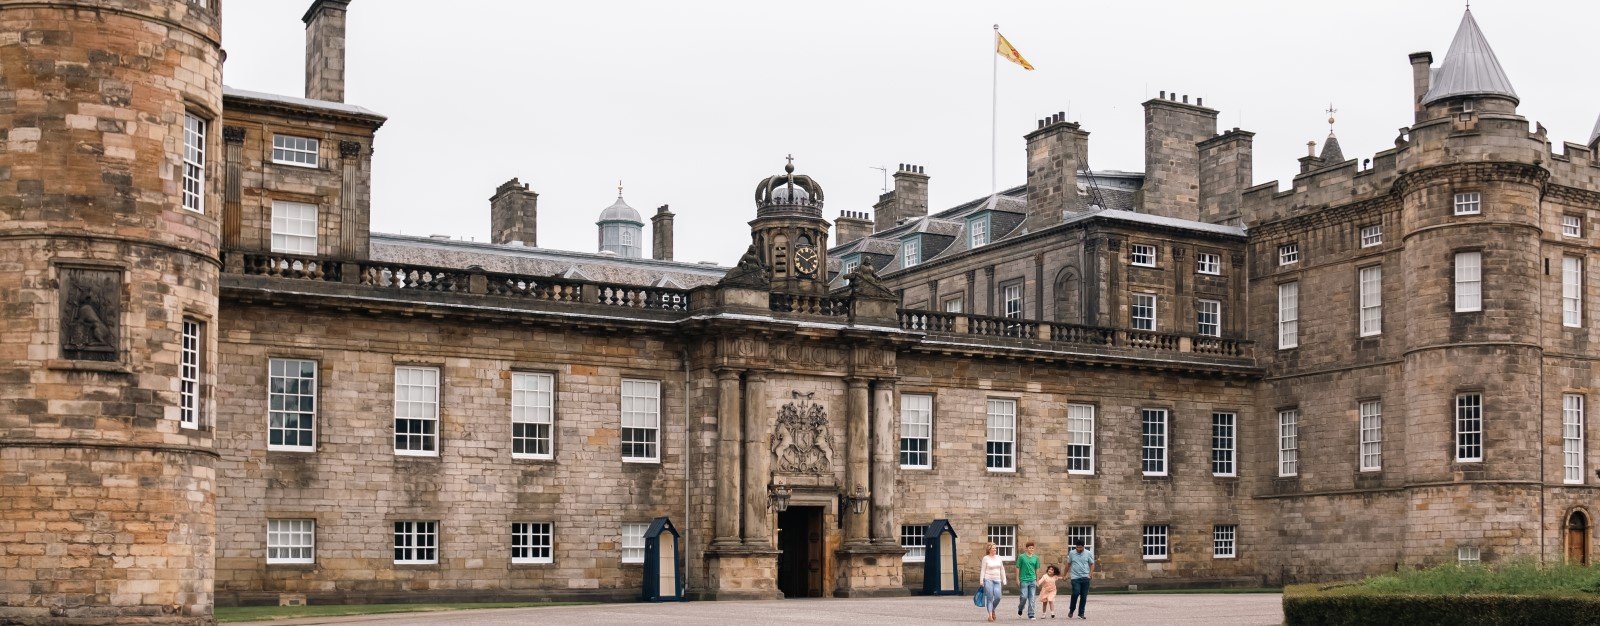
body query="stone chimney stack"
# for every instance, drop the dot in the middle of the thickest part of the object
(661, 234)
(1057, 150)
(1172, 128)
(908, 200)
(1421, 80)
(850, 226)
(325, 49)
(1226, 170)
(514, 214)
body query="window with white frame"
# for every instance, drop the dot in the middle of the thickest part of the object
(1572, 439)
(1572, 226)
(1001, 447)
(953, 305)
(1371, 279)
(292, 150)
(416, 411)
(291, 541)
(1289, 442)
(1469, 427)
(916, 431)
(1469, 203)
(532, 415)
(1469, 281)
(1288, 316)
(416, 543)
(1289, 253)
(294, 227)
(1144, 311)
(1371, 436)
(532, 542)
(1080, 439)
(849, 265)
(1084, 532)
(1468, 555)
(1208, 318)
(913, 538)
(1371, 235)
(1142, 255)
(1208, 263)
(1153, 442)
(910, 252)
(641, 420)
(1004, 538)
(978, 231)
(1572, 291)
(194, 163)
(633, 541)
(189, 374)
(1011, 300)
(1224, 541)
(292, 405)
(1224, 444)
(1154, 543)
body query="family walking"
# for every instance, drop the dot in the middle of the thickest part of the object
(1031, 585)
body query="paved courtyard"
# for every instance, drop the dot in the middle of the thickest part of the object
(1254, 608)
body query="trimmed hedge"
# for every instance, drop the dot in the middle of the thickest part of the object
(1317, 605)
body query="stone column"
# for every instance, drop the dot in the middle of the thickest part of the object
(885, 452)
(757, 463)
(858, 447)
(728, 460)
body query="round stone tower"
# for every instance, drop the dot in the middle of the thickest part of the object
(110, 112)
(1471, 179)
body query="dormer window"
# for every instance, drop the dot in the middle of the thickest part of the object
(978, 231)
(849, 265)
(1469, 203)
(910, 252)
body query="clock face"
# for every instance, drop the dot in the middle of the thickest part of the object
(806, 261)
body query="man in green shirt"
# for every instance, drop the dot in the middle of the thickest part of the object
(1027, 579)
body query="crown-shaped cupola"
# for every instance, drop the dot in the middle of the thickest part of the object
(789, 235)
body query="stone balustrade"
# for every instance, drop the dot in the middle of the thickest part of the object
(1072, 335)
(806, 304)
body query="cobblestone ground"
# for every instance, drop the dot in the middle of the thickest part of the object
(1262, 609)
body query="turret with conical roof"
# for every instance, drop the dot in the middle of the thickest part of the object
(1470, 68)
(621, 229)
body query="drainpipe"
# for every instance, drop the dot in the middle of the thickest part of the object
(688, 454)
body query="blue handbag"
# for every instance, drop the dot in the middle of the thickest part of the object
(977, 598)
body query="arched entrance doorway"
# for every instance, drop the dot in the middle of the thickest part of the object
(1578, 538)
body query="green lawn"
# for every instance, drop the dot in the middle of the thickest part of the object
(263, 613)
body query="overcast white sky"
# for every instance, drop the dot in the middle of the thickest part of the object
(691, 103)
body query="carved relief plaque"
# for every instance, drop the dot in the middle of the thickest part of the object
(801, 441)
(91, 309)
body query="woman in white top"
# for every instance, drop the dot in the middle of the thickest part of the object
(992, 575)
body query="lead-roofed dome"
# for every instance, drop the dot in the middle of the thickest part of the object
(619, 211)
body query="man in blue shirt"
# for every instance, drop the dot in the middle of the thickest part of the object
(1080, 566)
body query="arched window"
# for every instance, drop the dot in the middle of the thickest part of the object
(1069, 296)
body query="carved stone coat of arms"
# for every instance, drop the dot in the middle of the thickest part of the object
(801, 440)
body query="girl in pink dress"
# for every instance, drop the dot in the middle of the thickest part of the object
(1047, 590)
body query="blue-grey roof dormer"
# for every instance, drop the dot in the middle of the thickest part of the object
(1469, 69)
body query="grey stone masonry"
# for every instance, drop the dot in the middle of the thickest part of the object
(1172, 128)
(514, 214)
(661, 234)
(1056, 151)
(325, 49)
(908, 200)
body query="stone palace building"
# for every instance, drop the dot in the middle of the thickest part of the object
(218, 387)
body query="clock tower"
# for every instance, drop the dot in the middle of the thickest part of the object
(789, 234)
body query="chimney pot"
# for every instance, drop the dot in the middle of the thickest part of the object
(1163, 94)
(1199, 102)
(1186, 98)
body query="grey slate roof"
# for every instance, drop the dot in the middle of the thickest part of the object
(1470, 68)
(1595, 134)
(229, 92)
(1331, 154)
(527, 261)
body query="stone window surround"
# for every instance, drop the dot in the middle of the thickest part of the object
(1200, 311)
(311, 543)
(1155, 542)
(1456, 280)
(314, 150)
(1003, 540)
(1455, 425)
(1571, 305)
(1149, 251)
(1361, 428)
(625, 546)
(1094, 437)
(317, 215)
(959, 298)
(1282, 323)
(549, 536)
(1235, 438)
(1088, 538)
(438, 409)
(555, 410)
(1289, 253)
(1016, 428)
(315, 406)
(414, 531)
(1224, 541)
(1362, 306)
(194, 169)
(933, 411)
(1571, 225)
(1202, 260)
(198, 394)
(1466, 202)
(1371, 235)
(661, 415)
(1133, 310)
(317, 521)
(921, 543)
(1021, 283)
(1288, 457)
(1572, 452)
(1166, 442)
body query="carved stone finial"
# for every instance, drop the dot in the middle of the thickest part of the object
(748, 273)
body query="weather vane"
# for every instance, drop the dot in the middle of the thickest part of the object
(619, 187)
(1331, 111)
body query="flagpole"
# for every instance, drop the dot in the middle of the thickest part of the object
(994, 108)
